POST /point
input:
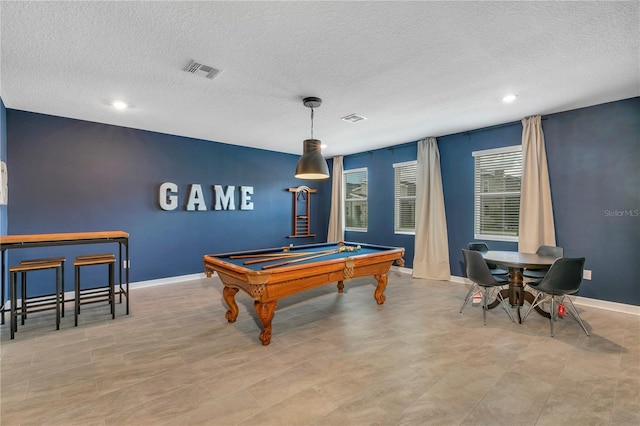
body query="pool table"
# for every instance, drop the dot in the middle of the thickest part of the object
(268, 275)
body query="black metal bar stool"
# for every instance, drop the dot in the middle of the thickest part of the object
(16, 311)
(99, 294)
(42, 300)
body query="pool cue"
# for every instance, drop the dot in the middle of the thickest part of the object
(282, 253)
(271, 259)
(275, 265)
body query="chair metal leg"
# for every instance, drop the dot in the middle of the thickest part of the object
(504, 305)
(553, 313)
(484, 305)
(541, 298)
(574, 313)
(474, 288)
(538, 300)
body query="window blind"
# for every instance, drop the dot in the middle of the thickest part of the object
(498, 176)
(405, 196)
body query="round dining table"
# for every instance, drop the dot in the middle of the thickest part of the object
(516, 262)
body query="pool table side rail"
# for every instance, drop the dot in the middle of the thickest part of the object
(280, 282)
(213, 263)
(301, 247)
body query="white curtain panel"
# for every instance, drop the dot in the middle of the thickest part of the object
(336, 218)
(536, 226)
(431, 259)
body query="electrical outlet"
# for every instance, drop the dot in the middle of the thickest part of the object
(126, 264)
(587, 274)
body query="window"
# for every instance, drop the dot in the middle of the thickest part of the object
(498, 173)
(355, 199)
(405, 197)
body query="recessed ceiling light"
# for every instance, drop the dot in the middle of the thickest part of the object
(324, 146)
(509, 98)
(119, 105)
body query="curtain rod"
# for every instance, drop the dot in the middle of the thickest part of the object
(498, 126)
(468, 132)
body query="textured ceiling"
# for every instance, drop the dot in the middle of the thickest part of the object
(414, 69)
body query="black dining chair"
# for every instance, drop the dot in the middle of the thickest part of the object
(483, 248)
(562, 279)
(551, 251)
(484, 282)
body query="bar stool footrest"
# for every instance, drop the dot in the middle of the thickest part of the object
(97, 294)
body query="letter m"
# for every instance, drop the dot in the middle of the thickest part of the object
(224, 200)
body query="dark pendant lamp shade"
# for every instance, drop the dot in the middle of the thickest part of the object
(312, 164)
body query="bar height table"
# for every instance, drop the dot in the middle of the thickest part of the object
(8, 242)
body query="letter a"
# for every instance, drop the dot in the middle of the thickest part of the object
(196, 198)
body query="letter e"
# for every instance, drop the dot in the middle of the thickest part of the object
(245, 198)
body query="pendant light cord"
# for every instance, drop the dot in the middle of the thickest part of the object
(311, 122)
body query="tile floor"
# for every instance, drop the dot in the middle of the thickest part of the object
(334, 359)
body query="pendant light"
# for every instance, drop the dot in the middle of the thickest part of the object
(312, 164)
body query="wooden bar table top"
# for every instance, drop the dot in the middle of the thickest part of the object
(32, 240)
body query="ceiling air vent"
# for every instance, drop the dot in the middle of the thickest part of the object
(353, 118)
(202, 70)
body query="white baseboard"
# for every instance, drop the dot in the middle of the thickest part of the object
(402, 270)
(165, 281)
(70, 295)
(461, 280)
(605, 304)
(584, 301)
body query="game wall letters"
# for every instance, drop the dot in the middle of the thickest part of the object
(221, 198)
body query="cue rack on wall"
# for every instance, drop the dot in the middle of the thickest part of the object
(302, 211)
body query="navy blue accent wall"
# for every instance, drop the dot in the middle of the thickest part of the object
(73, 176)
(380, 173)
(594, 168)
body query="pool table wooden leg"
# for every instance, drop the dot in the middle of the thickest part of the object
(340, 286)
(265, 311)
(382, 284)
(229, 295)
